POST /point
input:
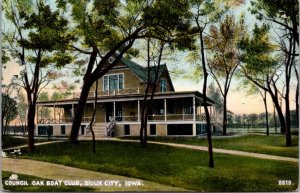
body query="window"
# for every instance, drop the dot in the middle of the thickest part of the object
(126, 129)
(63, 130)
(152, 129)
(113, 82)
(163, 86)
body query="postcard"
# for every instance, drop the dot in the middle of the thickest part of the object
(149, 95)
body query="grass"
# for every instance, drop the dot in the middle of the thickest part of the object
(12, 141)
(273, 145)
(171, 166)
(31, 188)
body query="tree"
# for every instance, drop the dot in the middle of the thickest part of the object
(282, 13)
(9, 111)
(37, 38)
(262, 70)
(222, 45)
(109, 28)
(153, 72)
(285, 15)
(203, 8)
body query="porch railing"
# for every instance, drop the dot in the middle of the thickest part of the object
(110, 127)
(153, 118)
(127, 91)
(126, 118)
(62, 120)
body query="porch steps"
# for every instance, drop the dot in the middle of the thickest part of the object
(99, 130)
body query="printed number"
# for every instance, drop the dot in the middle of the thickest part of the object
(284, 182)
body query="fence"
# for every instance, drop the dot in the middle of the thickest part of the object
(272, 130)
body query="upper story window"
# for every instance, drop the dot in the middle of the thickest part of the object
(163, 86)
(113, 82)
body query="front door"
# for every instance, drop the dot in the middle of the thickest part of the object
(109, 112)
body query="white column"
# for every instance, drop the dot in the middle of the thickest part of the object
(139, 119)
(165, 109)
(194, 116)
(54, 113)
(194, 109)
(37, 114)
(114, 109)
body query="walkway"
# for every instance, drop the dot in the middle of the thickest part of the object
(215, 150)
(195, 147)
(64, 173)
(36, 144)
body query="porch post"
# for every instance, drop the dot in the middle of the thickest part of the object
(72, 111)
(194, 116)
(182, 109)
(165, 109)
(114, 109)
(194, 109)
(54, 119)
(37, 114)
(139, 119)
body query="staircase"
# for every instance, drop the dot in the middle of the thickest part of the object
(99, 130)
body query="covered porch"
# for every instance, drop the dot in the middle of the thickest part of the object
(169, 110)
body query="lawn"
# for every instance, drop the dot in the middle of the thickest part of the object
(273, 145)
(12, 141)
(177, 167)
(31, 188)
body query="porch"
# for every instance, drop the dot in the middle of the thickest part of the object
(183, 108)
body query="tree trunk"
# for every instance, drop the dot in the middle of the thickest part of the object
(207, 116)
(79, 111)
(266, 111)
(30, 125)
(279, 113)
(225, 115)
(297, 95)
(287, 120)
(275, 122)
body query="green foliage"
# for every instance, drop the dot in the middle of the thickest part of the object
(43, 96)
(283, 13)
(38, 28)
(222, 45)
(9, 108)
(257, 52)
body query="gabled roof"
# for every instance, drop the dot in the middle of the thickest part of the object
(142, 72)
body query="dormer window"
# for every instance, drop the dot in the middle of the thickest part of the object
(113, 82)
(163, 86)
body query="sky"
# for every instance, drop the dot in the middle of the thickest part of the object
(238, 101)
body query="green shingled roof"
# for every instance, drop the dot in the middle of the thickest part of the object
(142, 72)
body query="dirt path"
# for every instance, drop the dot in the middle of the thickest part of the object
(215, 150)
(60, 172)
